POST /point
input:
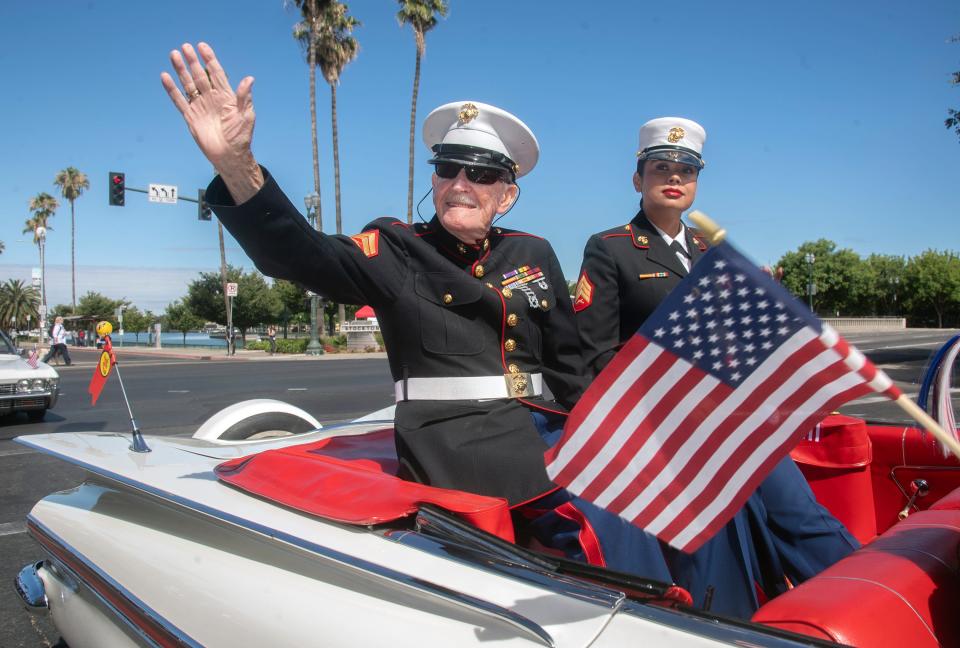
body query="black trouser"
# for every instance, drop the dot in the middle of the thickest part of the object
(58, 349)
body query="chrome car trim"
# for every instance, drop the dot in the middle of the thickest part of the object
(725, 629)
(148, 624)
(406, 580)
(31, 589)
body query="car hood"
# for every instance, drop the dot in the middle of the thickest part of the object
(13, 367)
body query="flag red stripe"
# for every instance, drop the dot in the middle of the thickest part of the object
(727, 473)
(619, 413)
(597, 389)
(707, 448)
(753, 482)
(633, 444)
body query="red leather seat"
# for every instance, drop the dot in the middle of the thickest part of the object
(352, 479)
(901, 590)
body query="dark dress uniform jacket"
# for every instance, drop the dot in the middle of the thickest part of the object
(444, 313)
(630, 269)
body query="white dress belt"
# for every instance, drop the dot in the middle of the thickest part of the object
(471, 387)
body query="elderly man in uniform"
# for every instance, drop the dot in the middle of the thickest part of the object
(627, 271)
(475, 318)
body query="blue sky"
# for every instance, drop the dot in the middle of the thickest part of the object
(824, 120)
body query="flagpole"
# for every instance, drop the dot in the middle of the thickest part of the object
(138, 445)
(928, 424)
(716, 234)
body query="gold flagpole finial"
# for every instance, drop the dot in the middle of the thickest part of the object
(708, 226)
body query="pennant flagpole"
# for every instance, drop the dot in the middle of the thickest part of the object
(716, 234)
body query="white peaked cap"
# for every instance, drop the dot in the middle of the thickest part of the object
(476, 133)
(674, 139)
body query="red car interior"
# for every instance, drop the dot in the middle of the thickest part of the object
(892, 487)
(901, 589)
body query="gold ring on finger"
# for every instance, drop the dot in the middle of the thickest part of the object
(192, 95)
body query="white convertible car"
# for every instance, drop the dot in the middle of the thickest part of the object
(24, 388)
(237, 537)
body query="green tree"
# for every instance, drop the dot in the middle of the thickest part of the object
(100, 307)
(953, 116)
(421, 15)
(18, 304)
(932, 284)
(254, 304)
(178, 317)
(335, 49)
(2, 247)
(293, 302)
(137, 322)
(837, 275)
(72, 183)
(884, 284)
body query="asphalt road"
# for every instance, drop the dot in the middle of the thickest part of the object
(173, 396)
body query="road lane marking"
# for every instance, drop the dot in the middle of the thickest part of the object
(296, 389)
(12, 528)
(178, 391)
(880, 399)
(16, 451)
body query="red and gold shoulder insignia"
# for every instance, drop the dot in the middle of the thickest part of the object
(584, 295)
(640, 241)
(368, 242)
(700, 241)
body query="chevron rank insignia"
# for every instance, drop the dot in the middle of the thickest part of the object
(368, 242)
(584, 295)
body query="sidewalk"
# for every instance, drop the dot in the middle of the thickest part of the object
(89, 354)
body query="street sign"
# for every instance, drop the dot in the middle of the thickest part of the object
(159, 193)
(42, 309)
(231, 290)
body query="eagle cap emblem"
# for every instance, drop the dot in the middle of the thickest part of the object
(674, 135)
(468, 112)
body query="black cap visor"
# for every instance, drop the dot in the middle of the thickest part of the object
(672, 154)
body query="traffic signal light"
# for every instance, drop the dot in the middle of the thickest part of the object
(117, 188)
(203, 209)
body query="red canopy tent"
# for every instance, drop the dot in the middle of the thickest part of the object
(365, 312)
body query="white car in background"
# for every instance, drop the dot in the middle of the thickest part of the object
(24, 388)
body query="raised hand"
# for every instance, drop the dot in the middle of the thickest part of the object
(220, 120)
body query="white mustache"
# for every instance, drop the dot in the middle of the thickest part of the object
(460, 198)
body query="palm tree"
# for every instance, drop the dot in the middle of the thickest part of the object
(18, 304)
(72, 183)
(43, 206)
(335, 49)
(311, 11)
(422, 16)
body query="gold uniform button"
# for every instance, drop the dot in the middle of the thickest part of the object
(514, 369)
(507, 293)
(510, 345)
(486, 244)
(448, 299)
(478, 271)
(488, 285)
(543, 304)
(512, 319)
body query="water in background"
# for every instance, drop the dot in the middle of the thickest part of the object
(175, 339)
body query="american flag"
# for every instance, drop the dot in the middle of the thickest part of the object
(699, 406)
(942, 402)
(34, 359)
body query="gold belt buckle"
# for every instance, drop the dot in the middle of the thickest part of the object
(519, 385)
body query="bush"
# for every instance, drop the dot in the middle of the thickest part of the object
(257, 346)
(291, 345)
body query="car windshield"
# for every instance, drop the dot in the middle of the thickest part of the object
(6, 344)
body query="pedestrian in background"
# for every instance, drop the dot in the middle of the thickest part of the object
(272, 336)
(58, 342)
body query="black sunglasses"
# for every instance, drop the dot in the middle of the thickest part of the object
(475, 174)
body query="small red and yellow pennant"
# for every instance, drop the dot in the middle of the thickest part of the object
(584, 295)
(100, 374)
(368, 242)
